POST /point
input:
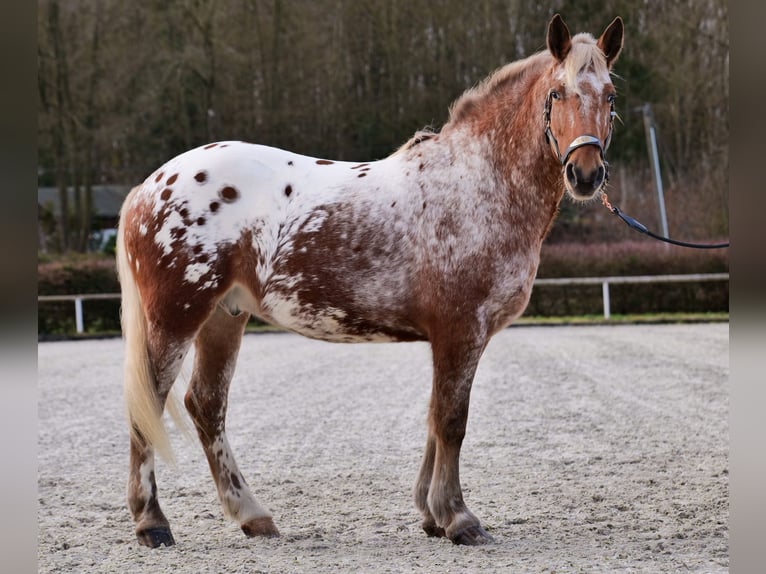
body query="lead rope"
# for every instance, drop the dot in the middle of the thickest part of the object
(641, 228)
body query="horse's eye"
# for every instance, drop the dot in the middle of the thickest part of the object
(555, 95)
(611, 98)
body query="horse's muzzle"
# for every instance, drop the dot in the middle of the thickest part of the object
(584, 184)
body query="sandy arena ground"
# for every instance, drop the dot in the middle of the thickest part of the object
(589, 449)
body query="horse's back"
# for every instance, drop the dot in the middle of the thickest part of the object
(298, 241)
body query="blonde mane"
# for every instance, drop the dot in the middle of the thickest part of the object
(585, 55)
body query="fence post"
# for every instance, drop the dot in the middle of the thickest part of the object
(78, 315)
(605, 295)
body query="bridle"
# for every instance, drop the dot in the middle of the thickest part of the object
(579, 141)
(586, 139)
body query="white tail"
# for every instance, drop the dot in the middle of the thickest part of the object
(144, 411)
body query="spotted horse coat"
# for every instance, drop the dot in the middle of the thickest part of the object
(438, 242)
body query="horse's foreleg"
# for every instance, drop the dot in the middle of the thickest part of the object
(455, 362)
(217, 346)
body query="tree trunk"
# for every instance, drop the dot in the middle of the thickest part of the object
(61, 87)
(86, 212)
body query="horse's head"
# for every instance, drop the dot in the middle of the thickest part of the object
(579, 106)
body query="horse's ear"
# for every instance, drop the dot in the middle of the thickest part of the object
(610, 41)
(559, 39)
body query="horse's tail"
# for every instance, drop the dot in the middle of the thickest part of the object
(143, 407)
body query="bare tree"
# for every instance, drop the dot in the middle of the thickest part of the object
(125, 85)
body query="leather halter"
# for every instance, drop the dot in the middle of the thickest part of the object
(579, 141)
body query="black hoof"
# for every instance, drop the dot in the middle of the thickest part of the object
(472, 536)
(155, 537)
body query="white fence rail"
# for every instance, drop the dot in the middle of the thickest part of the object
(606, 281)
(77, 299)
(603, 281)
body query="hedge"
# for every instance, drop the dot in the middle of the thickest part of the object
(629, 258)
(72, 276)
(98, 275)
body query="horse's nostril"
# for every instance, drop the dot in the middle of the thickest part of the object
(570, 173)
(600, 174)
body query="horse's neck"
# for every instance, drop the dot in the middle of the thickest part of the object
(512, 133)
(531, 174)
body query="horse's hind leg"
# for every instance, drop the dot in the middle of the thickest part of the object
(217, 346)
(152, 528)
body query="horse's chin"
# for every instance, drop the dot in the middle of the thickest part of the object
(579, 196)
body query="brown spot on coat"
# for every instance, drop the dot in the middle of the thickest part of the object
(201, 176)
(235, 481)
(214, 205)
(210, 146)
(159, 176)
(200, 221)
(229, 194)
(290, 162)
(324, 162)
(165, 195)
(172, 179)
(361, 175)
(288, 190)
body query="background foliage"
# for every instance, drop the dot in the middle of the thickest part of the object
(124, 86)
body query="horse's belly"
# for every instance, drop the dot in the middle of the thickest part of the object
(328, 321)
(316, 312)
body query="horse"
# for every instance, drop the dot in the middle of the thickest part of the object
(438, 242)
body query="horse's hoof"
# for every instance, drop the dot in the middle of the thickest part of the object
(260, 527)
(155, 537)
(472, 536)
(432, 530)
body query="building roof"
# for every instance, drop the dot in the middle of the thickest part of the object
(107, 199)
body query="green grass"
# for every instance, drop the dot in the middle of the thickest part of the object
(716, 317)
(647, 318)
(650, 318)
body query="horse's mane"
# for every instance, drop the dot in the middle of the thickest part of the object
(419, 136)
(508, 74)
(583, 55)
(467, 101)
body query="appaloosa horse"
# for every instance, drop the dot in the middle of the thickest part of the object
(438, 242)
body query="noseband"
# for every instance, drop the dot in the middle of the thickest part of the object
(579, 141)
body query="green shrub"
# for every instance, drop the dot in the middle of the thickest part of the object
(73, 275)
